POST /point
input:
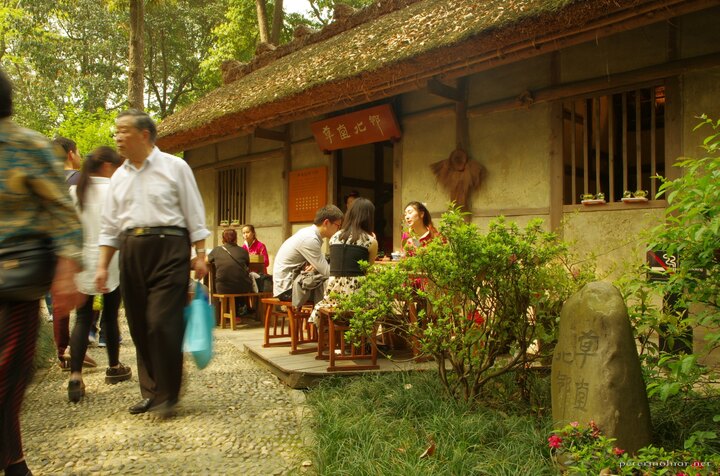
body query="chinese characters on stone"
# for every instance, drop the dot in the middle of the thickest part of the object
(585, 346)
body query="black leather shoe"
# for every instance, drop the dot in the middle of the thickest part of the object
(141, 407)
(166, 409)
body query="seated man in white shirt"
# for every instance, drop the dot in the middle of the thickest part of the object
(303, 249)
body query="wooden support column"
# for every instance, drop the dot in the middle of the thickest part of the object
(397, 194)
(674, 147)
(287, 165)
(556, 153)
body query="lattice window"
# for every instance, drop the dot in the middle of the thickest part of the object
(232, 195)
(614, 144)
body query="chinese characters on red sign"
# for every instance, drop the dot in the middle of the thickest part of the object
(375, 124)
(307, 192)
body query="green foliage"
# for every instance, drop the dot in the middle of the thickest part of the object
(484, 300)
(580, 450)
(179, 36)
(666, 374)
(678, 418)
(322, 10)
(88, 130)
(64, 53)
(67, 58)
(692, 231)
(235, 37)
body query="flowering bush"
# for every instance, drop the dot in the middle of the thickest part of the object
(580, 450)
(488, 303)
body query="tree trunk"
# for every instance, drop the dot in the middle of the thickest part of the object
(262, 20)
(136, 83)
(277, 23)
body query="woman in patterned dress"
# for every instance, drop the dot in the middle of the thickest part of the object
(354, 242)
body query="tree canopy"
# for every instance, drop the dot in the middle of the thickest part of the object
(69, 60)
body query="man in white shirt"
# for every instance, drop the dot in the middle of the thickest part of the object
(305, 248)
(153, 213)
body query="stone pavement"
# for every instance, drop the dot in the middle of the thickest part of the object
(233, 418)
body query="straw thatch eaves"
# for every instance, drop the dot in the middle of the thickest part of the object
(397, 46)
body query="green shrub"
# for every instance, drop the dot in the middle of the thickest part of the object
(484, 300)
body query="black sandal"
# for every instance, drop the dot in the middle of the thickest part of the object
(76, 390)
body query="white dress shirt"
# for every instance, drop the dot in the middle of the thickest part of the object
(162, 192)
(90, 217)
(305, 246)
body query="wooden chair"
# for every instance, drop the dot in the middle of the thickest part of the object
(291, 325)
(339, 350)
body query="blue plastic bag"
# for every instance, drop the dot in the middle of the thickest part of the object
(199, 324)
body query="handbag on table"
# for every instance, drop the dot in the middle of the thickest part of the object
(27, 268)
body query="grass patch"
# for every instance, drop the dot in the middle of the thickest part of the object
(382, 424)
(676, 419)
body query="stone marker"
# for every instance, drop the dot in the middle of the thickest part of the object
(596, 370)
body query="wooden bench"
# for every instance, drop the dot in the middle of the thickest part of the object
(339, 350)
(227, 306)
(289, 326)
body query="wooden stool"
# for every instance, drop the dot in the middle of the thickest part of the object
(301, 330)
(276, 324)
(340, 350)
(228, 308)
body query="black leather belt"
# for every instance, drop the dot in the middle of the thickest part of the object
(156, 230)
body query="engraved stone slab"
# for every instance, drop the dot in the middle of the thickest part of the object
(596, 370)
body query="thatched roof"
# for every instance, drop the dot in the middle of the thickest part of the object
(396, 46)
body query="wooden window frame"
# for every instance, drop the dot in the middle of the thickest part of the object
(588, 153)
(232, 196)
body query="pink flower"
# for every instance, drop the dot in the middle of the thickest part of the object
(574, 424)
(554, 441)
(618, 451)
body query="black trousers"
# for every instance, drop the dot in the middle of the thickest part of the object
(79, 337)
(154, 274)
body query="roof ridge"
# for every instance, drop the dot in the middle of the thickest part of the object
(232, 70)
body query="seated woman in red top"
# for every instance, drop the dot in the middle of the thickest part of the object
(420, 227)
(253, 246)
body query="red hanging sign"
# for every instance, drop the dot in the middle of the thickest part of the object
(307, 192)
(375, 124)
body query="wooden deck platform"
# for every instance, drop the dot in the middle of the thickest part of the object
(302, 370)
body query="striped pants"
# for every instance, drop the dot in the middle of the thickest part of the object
(19, 322)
